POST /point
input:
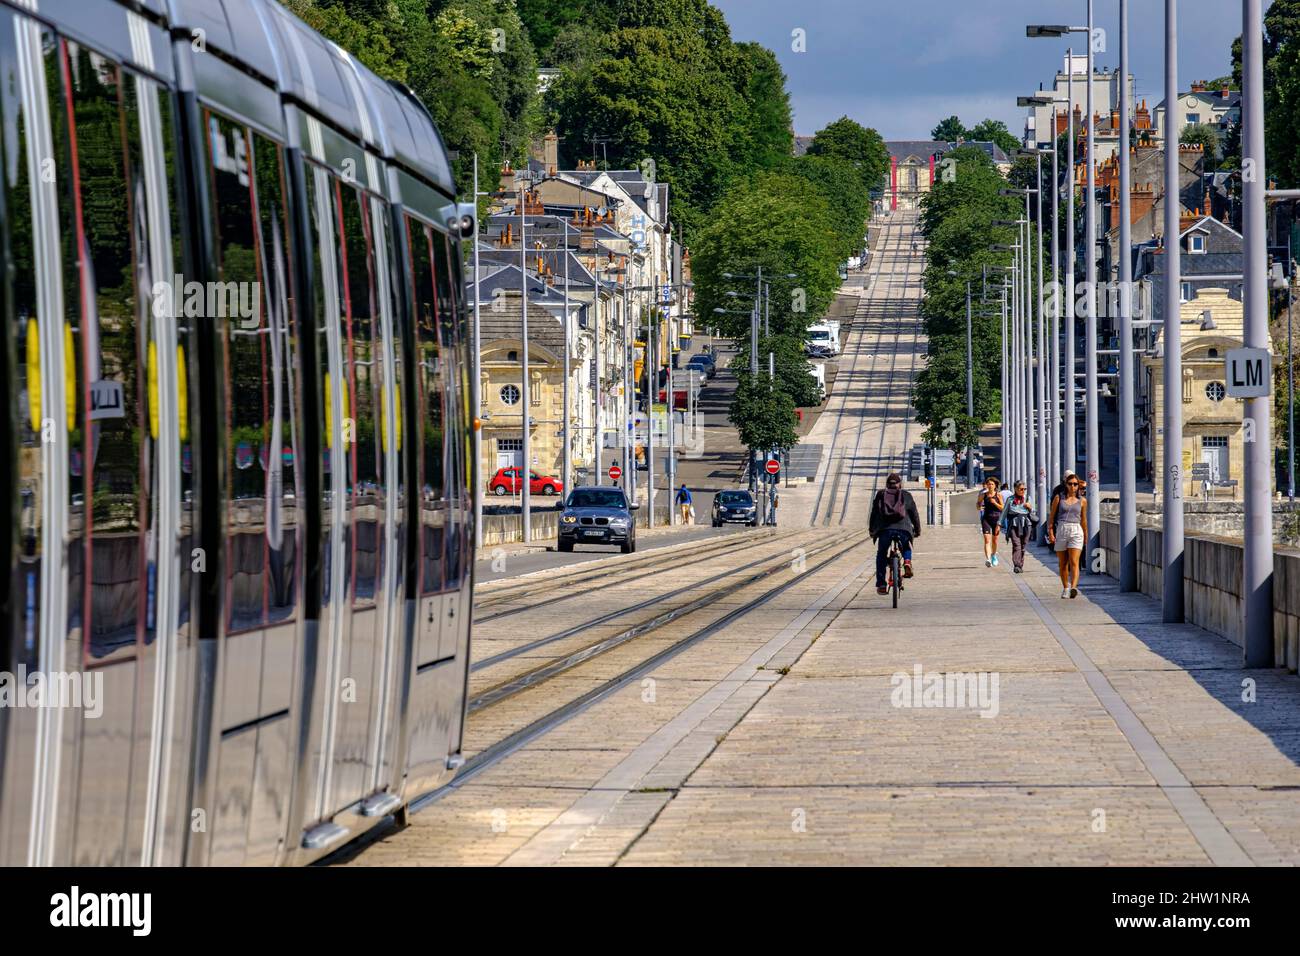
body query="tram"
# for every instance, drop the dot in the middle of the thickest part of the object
(237, 480)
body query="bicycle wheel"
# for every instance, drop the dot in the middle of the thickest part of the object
(896, 573)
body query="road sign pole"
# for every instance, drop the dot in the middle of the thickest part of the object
(1257, 572)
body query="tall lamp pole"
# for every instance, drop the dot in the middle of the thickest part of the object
(525, 472)
(1091, 400)
(970, 394)
(1127, 437)
(1172, 515)
(567, 476)
(1257, 570)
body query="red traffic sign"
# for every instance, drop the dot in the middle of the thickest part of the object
(615, 472)
(773, 466)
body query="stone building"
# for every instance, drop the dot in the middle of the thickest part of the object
(1212, 422)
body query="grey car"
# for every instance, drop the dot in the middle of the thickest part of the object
(597, 515)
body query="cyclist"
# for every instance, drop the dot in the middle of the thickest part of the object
(893, 518)
(683, 500)
(1018, 520)
(990, 505)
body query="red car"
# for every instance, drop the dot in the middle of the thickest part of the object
(507, 482)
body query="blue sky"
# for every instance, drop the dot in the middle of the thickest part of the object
(902, 65)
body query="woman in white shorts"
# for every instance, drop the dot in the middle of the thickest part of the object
(1068, 529)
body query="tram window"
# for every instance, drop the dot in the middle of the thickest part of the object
(20, 149)
(363, 351)
(250, 304)
(101, 289)
(385, 260)
(430, 377)
(454, 395)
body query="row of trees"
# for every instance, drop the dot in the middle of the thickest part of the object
(957, 219)
(800, 219)
(952, 130)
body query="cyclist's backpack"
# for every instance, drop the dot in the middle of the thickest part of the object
(893, 504)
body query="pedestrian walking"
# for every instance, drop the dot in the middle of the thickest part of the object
(1067, 530)
(1018, 520)
(990, 504)
(683, 500)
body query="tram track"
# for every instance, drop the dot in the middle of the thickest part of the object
(843, 545)
(860, 331)
(762, 568)
(670, 559)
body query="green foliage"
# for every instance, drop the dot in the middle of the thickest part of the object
(861, 148)
(479, 86)
(995, 131)
(1204, 135)
(950, 130)
(553, 24)
(841, 185)
(784, 225)
(667, 83)
(763, 414)
(1281, 95)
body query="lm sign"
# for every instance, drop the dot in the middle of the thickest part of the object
(1249, 373)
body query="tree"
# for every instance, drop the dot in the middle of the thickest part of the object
(1205, 136)
(995, 131)
(860, 147)
(840, 184)
(950, 130)
(784, 225)
(767, 118)
(763, 415)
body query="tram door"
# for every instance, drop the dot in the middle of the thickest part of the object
(99, 623)
(360, 385)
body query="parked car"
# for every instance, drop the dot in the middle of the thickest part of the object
(734, 506)
(507, 482)
(709, 363)
(597, 515)
(699, 365)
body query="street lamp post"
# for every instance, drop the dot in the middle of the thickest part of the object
(1172, 514)
(970, 394)
(525, 472)
(1257, 570)
(476, 385)
(1127, 428)
(1091, 402)
(567, 476)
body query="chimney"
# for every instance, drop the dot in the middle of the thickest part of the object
(1225, 92)
(1198, 87)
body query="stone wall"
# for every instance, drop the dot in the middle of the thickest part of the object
(1224, 519)
(1212, 568)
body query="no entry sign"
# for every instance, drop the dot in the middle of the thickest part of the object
(615, 472)
(773, 466)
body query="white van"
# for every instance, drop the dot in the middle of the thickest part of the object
(824, 336)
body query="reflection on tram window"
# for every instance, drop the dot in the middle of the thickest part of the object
(363, 352)
(24, 329)
(251, 307)
(432, 509)
(100, 223)
(454, 396)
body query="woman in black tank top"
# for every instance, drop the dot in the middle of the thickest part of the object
(990, 507)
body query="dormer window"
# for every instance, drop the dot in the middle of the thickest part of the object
(1196, 244)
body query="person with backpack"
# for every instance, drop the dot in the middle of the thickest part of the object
(893, 518)
(684, 503)
(1018, 520)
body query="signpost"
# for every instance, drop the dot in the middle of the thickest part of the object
(615, 473)
(773, 466)
(1249, 373)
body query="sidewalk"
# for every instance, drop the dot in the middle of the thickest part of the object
(1112, 738)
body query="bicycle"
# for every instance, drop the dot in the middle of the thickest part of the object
(895, 573)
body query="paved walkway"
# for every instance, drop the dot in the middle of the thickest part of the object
(1100, 737)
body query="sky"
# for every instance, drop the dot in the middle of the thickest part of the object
(901, 66)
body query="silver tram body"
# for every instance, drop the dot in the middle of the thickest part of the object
(236, 477)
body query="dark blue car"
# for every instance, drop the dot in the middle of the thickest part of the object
(597, 515)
